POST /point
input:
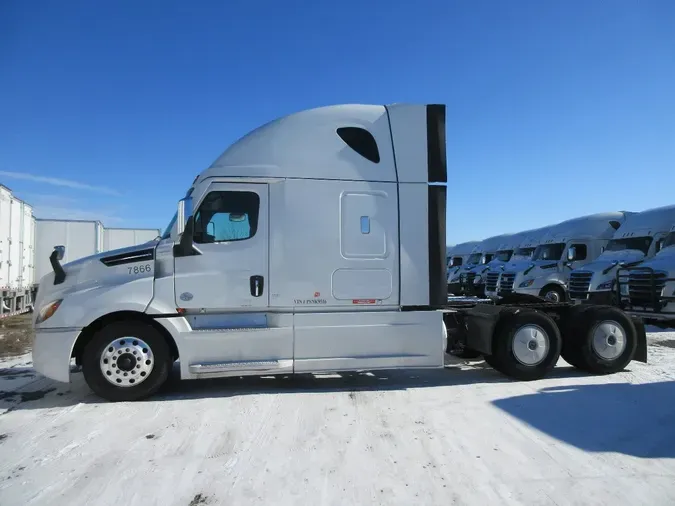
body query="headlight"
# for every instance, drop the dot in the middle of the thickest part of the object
(526, 283)
(47, 311)
(607, 285)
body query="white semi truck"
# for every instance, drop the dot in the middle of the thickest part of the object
(454, 275)
(459, 256)
(640, 237)
(472, 280)
(520, 249)
(647, 290)
(315, 243)
(564, 247)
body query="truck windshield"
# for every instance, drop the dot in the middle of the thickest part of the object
(523, 252)
(549, 251)
(669, 240)
(474, 258)
(504, 255)
(636, 243)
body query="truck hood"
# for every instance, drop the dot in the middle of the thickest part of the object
(518, 265)
(612, 258)
(87, 273)
(663, 261)
(454, 272)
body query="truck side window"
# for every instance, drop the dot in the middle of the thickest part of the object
(226, 216)
(582, 251)
(361, 141)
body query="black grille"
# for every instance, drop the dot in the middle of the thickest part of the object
(466, 279)
(492, 281)
(580, 283)
(645, 287)
(506, 282)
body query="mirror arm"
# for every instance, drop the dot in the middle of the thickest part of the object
(184, 247)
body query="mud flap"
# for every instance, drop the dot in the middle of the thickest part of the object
(481, 321)
(641, 350)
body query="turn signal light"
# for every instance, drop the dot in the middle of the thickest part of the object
(48, 310)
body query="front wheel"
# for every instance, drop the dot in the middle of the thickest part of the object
(526, 345)
(553, 293)
(126, 361)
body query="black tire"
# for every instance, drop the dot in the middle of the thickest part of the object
(585, 353)
(93, 351)
(560, 293)
(570, 329)
(504, 357)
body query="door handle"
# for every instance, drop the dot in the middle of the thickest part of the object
(257, 285)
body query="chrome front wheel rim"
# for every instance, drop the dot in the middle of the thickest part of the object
(127, 361)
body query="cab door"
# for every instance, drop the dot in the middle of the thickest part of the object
(229, 270)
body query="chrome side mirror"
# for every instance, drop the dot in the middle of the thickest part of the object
(183, 214)
(571, 254)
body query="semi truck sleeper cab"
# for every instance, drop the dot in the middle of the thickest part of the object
(315, 243)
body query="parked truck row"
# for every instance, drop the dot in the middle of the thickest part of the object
(624, 259)
(27, 241)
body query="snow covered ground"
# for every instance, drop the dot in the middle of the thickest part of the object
(463, 435)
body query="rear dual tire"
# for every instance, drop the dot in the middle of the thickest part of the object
(526, 345)
(599, 340)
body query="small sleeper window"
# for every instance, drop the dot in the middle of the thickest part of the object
(361, 141)
(365, 225)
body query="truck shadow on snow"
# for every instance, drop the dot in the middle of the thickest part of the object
(635, 420)
(43, 393)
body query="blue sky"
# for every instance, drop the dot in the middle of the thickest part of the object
(108, 110)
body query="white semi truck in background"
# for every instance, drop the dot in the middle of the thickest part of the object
(647, 290)
(235, 287)
(459, 256)
(459, 253)
(520, 250)
(564, 247)
(474, 281)
(462, 282)
(473, 258)
(640, 237)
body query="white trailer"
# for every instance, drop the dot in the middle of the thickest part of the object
(116, 238)
(315, 243)
(81, 238)
(16, 254)
(564, 247)
(639, 238)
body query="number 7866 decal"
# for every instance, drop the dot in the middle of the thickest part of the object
(139, 269)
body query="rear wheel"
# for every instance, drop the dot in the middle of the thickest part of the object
(526, 345)
(605, 340)
(126, 361)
